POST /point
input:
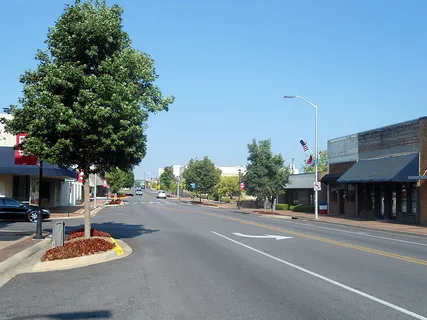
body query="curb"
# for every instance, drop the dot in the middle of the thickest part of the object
(85, 261)
(93, 213)
(24, 254)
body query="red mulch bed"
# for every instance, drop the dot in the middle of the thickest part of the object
(78, 248)
(117, 201)
(267, 212)
(80, 233)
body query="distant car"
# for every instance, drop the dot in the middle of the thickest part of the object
(14, 209)
(161, 194)
(138, 192)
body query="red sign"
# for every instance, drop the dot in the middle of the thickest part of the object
(242, 186)
(80, 177)
(20, 156)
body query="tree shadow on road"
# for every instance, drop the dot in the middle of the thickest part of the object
(117, 230)
(102, 314)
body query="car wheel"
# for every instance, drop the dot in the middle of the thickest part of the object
(32, 216)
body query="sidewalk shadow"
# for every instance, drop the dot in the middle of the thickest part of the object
(103, 314)
(4, 223)
(117, 230)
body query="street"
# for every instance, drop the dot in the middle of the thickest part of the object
(195, 262)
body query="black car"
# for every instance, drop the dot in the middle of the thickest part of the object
(13, 209)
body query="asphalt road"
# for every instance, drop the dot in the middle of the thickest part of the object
(192, 262)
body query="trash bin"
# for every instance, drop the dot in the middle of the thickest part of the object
(323, 207)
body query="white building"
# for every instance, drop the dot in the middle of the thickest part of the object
(229, 171)
(226, 171)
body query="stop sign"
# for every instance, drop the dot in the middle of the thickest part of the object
(242, 186)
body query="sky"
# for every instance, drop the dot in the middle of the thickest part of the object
(230, 62)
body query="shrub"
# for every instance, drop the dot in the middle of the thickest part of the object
(307, 208)
(80, 233)
(282, 206)
(204, 196)
(78, 248)
(211, 198)
(291, 208)
(225, 199)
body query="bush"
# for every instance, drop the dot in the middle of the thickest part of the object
(282, 206)
(211, 198)
(225, 199)
(291, 208)
(307, 208)
(80, 233)
(204, 196)
(78, 248)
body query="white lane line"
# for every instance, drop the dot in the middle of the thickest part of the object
(361, 234)
(336, 283)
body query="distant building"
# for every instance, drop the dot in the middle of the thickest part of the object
(226, 171)
(229, 171)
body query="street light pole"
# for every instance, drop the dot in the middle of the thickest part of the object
(316, 155)
(240, 191)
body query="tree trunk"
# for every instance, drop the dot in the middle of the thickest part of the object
(87, 205)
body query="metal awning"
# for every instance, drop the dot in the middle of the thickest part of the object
(48, 172)
(391, 169)
(99, 181)
(331, 177)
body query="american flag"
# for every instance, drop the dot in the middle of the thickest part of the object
(304, 145)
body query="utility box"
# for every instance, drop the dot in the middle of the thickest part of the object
(58, 234)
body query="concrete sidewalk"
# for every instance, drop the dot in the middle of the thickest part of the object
(74, 211)
(283, 214)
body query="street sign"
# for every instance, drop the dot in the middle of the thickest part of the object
(70, 180)
(193, 186)
(317, 186)
(242, 186)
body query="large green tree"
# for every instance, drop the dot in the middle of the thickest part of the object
(322, 166)
(203, 173)
(118, 179)
(167, 179)
(228, 186)
(87, 102)
(266, 174)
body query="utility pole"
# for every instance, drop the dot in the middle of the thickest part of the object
(39, 234)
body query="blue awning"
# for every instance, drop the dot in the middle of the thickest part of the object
(34, 171)
(391, 169)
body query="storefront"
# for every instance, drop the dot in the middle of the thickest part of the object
(382, 188)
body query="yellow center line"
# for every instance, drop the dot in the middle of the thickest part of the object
(308, 236)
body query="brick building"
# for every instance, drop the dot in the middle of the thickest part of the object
(369, 173)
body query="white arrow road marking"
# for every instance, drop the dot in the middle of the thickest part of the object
(333, 282)
(267, 236)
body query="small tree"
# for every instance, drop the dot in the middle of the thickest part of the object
(266, 174)
(228, 186)
(87, 102)
(167, 179)
(204, 174)
(322, 166)
(118, 179)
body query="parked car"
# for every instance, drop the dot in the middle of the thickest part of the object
(161, 194)
(14, 209)
(138, 192)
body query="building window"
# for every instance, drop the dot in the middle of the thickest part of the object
(403, 199)
(311, 196)
(333, 192)
(351, 192)
(414, 199)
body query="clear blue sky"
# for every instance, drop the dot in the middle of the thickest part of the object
(229, 63)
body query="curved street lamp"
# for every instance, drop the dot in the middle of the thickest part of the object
(316, 152)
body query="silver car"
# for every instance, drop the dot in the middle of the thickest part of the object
(161, 194)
